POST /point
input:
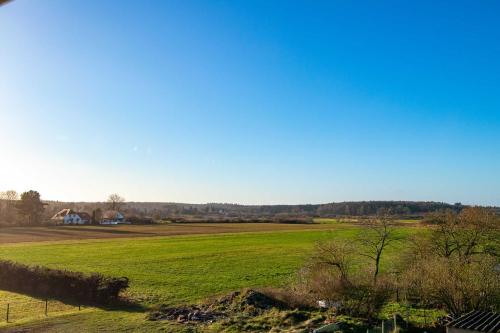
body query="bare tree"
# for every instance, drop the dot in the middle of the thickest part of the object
(473, 231)
(335, 254)
(9, 196)
(115, 201)
(456, 265)
(457, 285)
(332, 275)
(9, 213)
(375, 239)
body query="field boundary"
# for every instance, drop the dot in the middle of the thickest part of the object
(307, 227)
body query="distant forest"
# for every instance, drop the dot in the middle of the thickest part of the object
(29, 209)
(355, 208)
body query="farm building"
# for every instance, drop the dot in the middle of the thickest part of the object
(112, 217)
(475, 321)
(68, 216)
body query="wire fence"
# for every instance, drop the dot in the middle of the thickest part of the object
(19, 310)
(385, 326)
(411, 315)
(398, 323)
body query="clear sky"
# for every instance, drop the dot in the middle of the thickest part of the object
(251, 101)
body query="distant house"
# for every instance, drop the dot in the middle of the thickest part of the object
(113, 217)
(475, 321)
(68, 216)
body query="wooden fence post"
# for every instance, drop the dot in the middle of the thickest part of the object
(8, 310)
(46, 306)
(407, 315)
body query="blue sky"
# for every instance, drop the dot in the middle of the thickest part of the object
(251, 101)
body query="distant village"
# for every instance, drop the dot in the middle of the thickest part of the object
(68, 216)
(27, 209)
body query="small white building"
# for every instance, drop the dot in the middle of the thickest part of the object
(112, 217)
(68, 216)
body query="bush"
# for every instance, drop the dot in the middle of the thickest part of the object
(44, 282)
(455, 285)
(140, 220)
(355, 295)
(330, 275)
(456, 266)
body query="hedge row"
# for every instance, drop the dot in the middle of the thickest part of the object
(65, 285)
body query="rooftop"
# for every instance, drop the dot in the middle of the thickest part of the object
(478, 321)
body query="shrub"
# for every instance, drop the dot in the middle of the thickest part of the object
(455, 285)
(355, 295)
(456, 267)
(330, 276)
(65, 285)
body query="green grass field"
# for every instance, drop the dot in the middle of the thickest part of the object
(24, 309)
(187, 268)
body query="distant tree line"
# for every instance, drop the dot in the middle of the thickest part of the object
(352, 208)
(28, 209)
(363, 208)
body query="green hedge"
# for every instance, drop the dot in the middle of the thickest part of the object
(47, 283)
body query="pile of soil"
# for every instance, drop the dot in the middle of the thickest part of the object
(245, 301)
(185, 314)
(248, 302)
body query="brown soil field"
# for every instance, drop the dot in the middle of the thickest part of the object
(56, 233)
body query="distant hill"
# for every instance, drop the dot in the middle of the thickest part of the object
(348, 208)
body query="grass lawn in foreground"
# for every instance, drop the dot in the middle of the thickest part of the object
(23, 308)
(187, 268)
(178, 269)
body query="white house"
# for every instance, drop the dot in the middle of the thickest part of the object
(113, 217)
(68, 216)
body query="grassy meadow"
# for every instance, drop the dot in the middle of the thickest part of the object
(23, 309)
(182, 269)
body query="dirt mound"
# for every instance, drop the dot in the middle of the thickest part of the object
(247, 302)
(185, 314)
(259, 300)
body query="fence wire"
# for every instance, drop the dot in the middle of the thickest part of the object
(18, 310)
